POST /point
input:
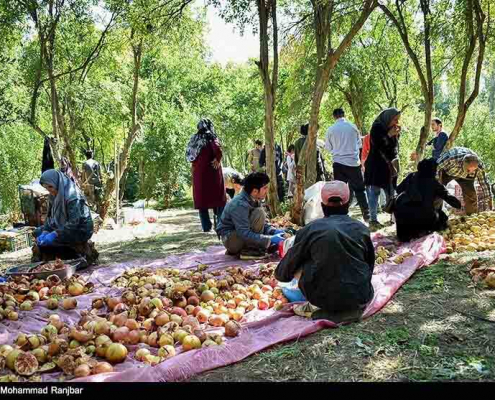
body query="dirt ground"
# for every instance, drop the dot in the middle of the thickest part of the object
(431, 330)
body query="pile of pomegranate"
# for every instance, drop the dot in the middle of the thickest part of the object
(21, 293)
(159, 313)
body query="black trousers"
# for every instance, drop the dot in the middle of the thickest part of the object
(353, 176)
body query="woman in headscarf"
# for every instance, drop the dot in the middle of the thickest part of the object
(418, 208)
(68, 225)
(381, 167)
(205, 154)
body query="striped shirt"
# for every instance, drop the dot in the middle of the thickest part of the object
(452, 163)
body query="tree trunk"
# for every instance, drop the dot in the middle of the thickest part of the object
(136, 120)
(265, 8)
(475, 21)
(327, 59)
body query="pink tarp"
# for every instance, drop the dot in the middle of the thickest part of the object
(261, 329)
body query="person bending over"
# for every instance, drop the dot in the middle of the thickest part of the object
(243, 226)
(334, 260)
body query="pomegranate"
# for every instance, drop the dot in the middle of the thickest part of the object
(203, 316)
(216, 320)
(166, 339)
(141, 354)
(69, 303)
(209, 343)
(200, 334)
(153, 339)
(207, 296)
(40, 354)
(197, 309)
(179, 311)
(120, 320)
(120, 308)
(112, 302)
(166, 351)
(263, 304)
(12, 316)
(12, 357)
(191, 342)
(101, 351)
(149, 324)
(80, 336)
(43, 293)
(162, 319)
(76, 289)
(152, 360)
(191, 321)
(102, 368)
(132, 324)
(82, 370)
(189, 309)
(102, 340)
(133, 337)
(26, 364)
(232, 328)
(116, 353)
(102, 327)
(179, 335)
(97, 304)
(5, 349)
(120, 335)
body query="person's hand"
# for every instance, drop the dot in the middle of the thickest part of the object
(48, 239)
(215, 164)
(394, 130)
(277, 231)
(41, 237)
(276, 239)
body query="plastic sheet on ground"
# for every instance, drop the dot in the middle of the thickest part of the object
(261, 329)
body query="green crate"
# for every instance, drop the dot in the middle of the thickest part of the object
(18, 242)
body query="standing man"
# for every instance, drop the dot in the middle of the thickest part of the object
(320, 163)
(253, 157)
(92, 184)
(464, 166)
(279, 161)
(440, 139)
(343, 140)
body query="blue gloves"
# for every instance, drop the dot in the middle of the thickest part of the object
(41, 237)
(277, 231)
(276, 239)
(48, 239)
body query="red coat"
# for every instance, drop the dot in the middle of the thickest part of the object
(208, 185)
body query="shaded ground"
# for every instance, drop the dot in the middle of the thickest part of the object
(419, 336)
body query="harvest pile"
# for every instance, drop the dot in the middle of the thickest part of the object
(482, 273)
(471, 233)
(21, 293)
(383, 254)
(58, 264)
(159, 314)
(284, 222)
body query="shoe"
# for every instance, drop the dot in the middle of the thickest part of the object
(338, 317)
(305, 310)
(253, 255)
(375, 226)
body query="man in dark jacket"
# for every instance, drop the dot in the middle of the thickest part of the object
(334, 258)
(279, 161)
(321, 172)
(440, 139)
(243, 226)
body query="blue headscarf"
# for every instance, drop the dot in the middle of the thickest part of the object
(66, 191)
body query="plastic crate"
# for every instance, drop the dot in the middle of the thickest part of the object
(19, 241)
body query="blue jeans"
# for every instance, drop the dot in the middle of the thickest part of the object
(373, 199)
(204, 216)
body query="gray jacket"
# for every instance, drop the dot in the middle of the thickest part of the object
(235, 217)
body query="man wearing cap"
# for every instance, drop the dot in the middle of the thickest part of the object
(334, 258)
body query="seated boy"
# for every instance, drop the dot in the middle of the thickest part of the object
(243, 226)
